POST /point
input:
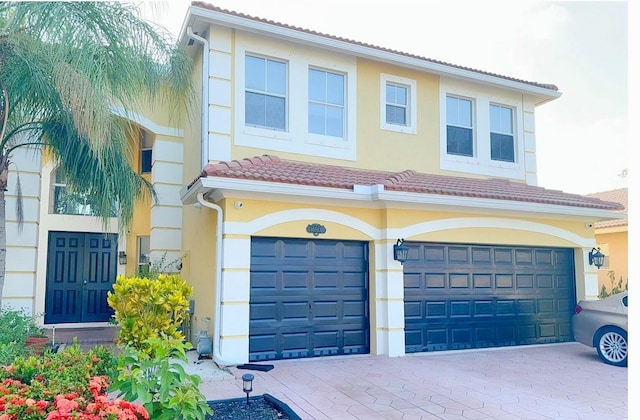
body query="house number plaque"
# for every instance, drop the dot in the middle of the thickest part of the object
(316, 229)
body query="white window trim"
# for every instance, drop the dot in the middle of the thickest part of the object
(411, 85)
(512, 133)
(481, 162)
(265, 93)
(297, 138)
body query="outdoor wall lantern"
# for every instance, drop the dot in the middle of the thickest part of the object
(122, 257)
(596, 257)
(247, 384)
(400, 251)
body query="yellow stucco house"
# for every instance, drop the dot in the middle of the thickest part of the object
(612, 237)
(312, 160)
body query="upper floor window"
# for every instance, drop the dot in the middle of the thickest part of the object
(502, 140)
(396, 104)
(146, 152)
(292, 99)
(265, 93)
(66, 201)
(326, 103)
(459, 126)
(482, 131)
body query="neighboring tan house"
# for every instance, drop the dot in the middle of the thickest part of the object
(320, 153)
(612, 239)
(311, 158)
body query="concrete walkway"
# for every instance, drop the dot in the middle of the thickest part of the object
(558, 381)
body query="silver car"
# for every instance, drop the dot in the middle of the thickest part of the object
(603, 324)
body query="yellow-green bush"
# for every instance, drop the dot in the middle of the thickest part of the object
(149, 308)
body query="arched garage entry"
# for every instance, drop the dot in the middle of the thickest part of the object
(460, 296)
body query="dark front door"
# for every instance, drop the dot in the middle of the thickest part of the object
(460, 296)
(81, 268)
(308, 298)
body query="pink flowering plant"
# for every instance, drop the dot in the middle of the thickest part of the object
(67, 385)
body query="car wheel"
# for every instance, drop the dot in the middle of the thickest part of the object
(612, 346)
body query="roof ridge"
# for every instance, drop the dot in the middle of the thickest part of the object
(214, 8)
(398, 177)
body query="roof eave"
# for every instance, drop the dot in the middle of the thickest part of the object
(542, 94)
(377, 196)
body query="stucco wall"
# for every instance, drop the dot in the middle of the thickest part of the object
(614, 244)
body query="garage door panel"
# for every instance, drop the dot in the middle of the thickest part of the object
(526, 307)
(325, 280)
(507, 298)
(480, 256)
(294, 311)
(503, 256)
(435, 309)
(506, 307)
(483, 308)
(264, 280)
(547, 330)
(459, 281)
(319, 304)
(524, 257)
(325, 310)
(293, 279)
(543, 257)
(544, 281)
(262, 311)
(435, 280)
(412, 310)
(482, 281)
(460, 309)
(524, 281)
(459, 255)
(504, 281)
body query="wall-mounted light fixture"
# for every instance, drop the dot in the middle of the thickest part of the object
(596, 257)
(247, 384)
(122, 257)
(400, 251)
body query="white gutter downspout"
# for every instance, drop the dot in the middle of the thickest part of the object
(217, 357)
(204, 136)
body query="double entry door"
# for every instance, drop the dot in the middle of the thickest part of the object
(81, 269)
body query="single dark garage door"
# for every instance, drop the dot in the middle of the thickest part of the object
(308, 298)
(460, 296)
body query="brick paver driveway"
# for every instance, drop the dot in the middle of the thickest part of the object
(558, 381)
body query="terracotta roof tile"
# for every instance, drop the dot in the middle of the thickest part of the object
(272, 169)
(209, 6)
(619, 195)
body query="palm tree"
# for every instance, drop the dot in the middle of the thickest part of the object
(63, 67)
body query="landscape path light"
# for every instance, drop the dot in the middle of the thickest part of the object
(247, 384)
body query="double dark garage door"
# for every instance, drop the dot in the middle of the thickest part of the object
(310, 297)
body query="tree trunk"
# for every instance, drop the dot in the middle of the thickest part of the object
(4, 174)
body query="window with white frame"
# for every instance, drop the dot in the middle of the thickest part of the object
(265, 93)
(502, 135)
(482, 130)
(144, 248)
(65, 200)
(146, 152)
(459, 126)
(326, 103)
(397, 104)
(316, 115)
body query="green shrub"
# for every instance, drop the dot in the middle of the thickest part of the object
(149, 308)
(15, 327)
(159, 382)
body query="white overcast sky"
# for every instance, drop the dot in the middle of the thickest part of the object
(581, 47)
